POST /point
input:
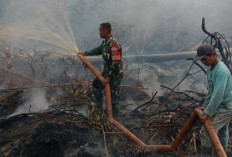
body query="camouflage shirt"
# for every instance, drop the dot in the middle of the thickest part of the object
(111, 52)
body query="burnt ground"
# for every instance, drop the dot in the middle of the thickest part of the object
(71, 126)
(62, 130)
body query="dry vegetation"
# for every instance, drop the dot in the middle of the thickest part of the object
(72, 126)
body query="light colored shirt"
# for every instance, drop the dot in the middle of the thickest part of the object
(219, 97)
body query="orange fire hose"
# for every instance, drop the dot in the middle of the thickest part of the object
(212, 134)
(180, 137)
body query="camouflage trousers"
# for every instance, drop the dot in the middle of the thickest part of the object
(114, 87)
(220, 122)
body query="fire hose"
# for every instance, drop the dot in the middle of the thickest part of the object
(180, 137)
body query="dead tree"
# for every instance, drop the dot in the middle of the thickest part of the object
(216, 40)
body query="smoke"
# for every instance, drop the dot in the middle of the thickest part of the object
(154, 26)
(96, 150)
(149, 79)
(152, 75)
(36, 102)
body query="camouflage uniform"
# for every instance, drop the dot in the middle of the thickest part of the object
(112, 55)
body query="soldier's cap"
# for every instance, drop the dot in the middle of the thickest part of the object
(203, 51)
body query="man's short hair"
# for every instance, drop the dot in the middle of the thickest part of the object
(106, 26)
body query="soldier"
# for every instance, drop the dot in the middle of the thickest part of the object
(111, 53)
(218, 101)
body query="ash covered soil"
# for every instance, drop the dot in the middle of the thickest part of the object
(70, 125)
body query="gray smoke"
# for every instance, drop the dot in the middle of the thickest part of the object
(36, 102)
(152, 26)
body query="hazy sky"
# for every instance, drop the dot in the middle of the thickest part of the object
(151, 13)
(152, 18)
(162, 25)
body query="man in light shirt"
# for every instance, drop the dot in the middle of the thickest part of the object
(218, 102)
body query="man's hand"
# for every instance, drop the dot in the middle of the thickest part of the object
(202, 108)
(81, 53)
(203, 117)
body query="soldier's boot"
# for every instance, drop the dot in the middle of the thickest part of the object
(115, 111)
(98, 93)
(115, 108)
(98, 99)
